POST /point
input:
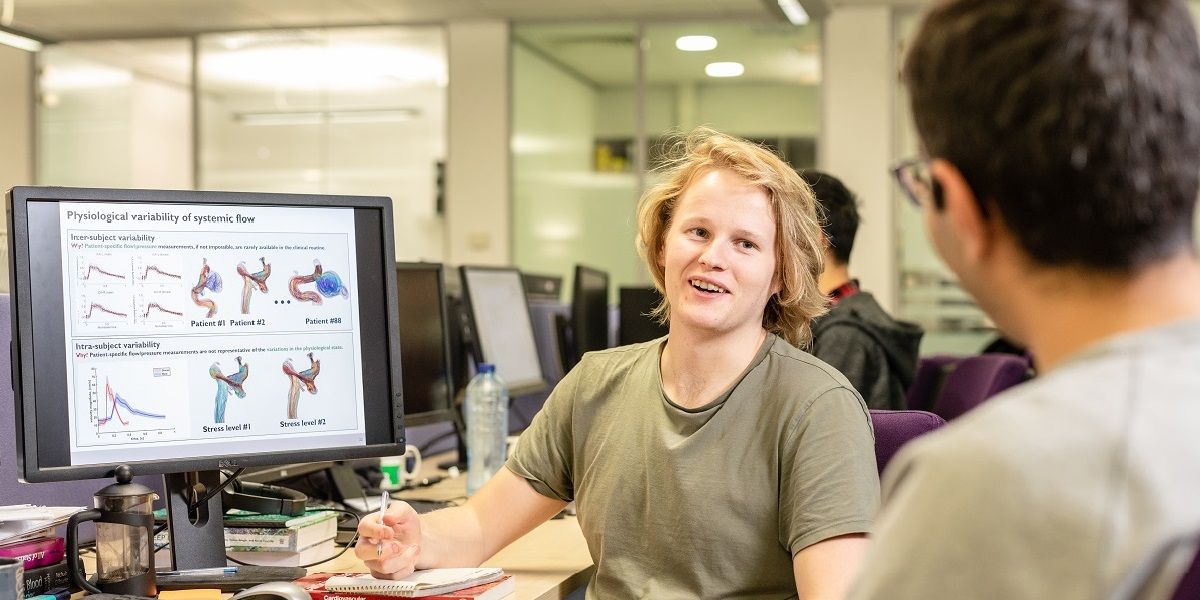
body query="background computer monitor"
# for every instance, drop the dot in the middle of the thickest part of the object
(501, 331)
(186, 332)
(589, 310)
(425, 360)
(635, 323)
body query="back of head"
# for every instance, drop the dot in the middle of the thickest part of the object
(1077, 121)
(798, 248)
(840, 208)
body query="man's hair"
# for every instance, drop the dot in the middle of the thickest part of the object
(798, 248)
(840, 211)
(1077, 121)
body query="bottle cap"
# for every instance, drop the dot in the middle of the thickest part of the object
(486, 368)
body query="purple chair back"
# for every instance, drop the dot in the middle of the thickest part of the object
(931, 372)
(894, 428)
(1189, 586)
(977, 378)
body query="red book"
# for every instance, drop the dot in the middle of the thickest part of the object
(37, 552)
(314, 584)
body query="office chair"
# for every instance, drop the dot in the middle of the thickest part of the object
(1189, 586)
(895, 428)
(977, 378)
(927, 382)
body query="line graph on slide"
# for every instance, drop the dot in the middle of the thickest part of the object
(157, 269)
(133, 402)
(103, 310)
(104, 269)
(159, 308)
(116, 403)
(99, 309)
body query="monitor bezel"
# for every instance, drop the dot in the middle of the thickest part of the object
(23, 368)
(447, 414)
(577, 308)
(514, 389)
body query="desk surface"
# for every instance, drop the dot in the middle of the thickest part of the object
(548, 563)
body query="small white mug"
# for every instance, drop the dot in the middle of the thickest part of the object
(396, 471)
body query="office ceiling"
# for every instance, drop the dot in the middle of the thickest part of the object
(592, 38)
(603, 54)
(57, 20)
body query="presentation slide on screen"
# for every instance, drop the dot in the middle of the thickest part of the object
(191, 327)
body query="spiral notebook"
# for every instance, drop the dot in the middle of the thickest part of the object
(421, 583)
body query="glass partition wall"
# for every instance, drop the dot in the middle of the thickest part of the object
(594, 106)
(332, 111)
(357, 110)
(929, 293)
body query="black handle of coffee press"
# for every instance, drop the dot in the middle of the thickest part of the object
(74, 564)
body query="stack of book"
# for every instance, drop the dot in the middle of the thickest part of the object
(44, 558)
(280, 540)
(27, 534)
(277, 540)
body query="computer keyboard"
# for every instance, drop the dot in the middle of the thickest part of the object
(424, 506)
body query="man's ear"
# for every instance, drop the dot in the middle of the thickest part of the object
(962, 209)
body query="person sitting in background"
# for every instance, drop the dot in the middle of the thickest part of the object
(718, 462)
(1062, 166)
(877, 353)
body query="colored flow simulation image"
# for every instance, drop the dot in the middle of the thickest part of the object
(209, 280)
(225, 383)
(328, 284)
(251, 281)
(306, 379)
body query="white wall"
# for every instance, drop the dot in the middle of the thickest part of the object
(478, 217)
(857, 137)
(16, 144)
(16, 97)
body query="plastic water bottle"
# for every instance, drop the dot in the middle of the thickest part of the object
(487, 426)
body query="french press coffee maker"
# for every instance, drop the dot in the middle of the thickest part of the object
(124, 520)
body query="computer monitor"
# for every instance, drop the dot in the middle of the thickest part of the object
(635, 323)
(589, 310)
(501, 330)
(424, 331)
(183, 332)
(541, 287)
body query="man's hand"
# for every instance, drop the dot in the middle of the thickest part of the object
(390, 549)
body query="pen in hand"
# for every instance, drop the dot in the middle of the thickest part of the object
(383, 504)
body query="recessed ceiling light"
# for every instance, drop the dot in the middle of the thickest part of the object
(724, 69)
(696, 43)
(794, 12)
(25, 43)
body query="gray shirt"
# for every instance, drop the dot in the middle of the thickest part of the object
(710, 502)
(1084, 483)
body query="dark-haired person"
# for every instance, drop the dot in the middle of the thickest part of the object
(877, 353)
(1062, 166)
(717, 462)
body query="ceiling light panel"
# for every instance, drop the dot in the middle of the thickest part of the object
(724, 69)
(696, 43)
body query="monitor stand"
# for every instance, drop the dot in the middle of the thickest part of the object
(460, 430)
(198, 537)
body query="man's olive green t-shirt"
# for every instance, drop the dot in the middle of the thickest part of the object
(711, 502)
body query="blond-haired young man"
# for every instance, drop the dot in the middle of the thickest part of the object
(719, 461)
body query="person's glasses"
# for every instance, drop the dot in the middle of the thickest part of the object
(914, 178)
